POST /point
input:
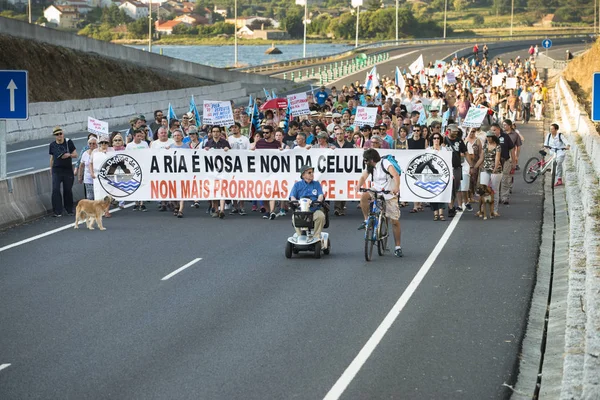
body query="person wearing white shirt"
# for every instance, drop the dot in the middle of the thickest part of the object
(163, 141)
(558, 144)
(238, 142)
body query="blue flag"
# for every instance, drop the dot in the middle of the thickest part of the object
(171, 115)
(422, 118)
(273, 94)
(267, 94)
(194, 110)
(288, 117)
(254, 119)
(249, 108)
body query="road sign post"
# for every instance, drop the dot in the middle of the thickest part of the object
(596, 97)
(546, 43)
(14, 106)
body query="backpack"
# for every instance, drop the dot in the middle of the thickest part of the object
(392, 160)
(547, 141)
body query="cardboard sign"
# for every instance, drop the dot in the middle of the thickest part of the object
(217, 113)
(365, 116)
(497, 80)
(96, 126)
(298, 104)
(475, 117)
(451, 78)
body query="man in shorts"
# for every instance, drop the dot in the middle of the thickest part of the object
(383, 177)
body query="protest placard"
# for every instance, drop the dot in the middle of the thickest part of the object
(497, 80)
(475, 117)
(178, 174)
(298, 104)
(365, 116)
(217, 113)
(450, 78)
(96, 126)
(511, 83)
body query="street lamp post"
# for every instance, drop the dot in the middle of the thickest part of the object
(445, 15)
(396, 21)
(29, 9)
(235, 35)
(150, 26)
(304, 22)
(357, 4)
(512, 15)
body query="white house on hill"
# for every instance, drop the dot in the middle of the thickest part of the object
(66, 17)
(135, 9)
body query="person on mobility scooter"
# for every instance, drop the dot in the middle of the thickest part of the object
(310, 212)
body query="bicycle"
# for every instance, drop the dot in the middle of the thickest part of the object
(377, 224)
(535, 167)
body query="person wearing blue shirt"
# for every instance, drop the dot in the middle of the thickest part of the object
(321, 96)
(307, 187)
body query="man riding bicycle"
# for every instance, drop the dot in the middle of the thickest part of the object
(383, 177)
(556, 142)
(307, 187)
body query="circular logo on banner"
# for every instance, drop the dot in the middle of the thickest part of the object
(120, 175)
(427, 175)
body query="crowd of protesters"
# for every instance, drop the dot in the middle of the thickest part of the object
(487, 155)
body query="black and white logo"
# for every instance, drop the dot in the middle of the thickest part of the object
(427, 175)
(120, 175)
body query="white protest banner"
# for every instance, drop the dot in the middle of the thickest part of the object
(182, 174)
(475, 117)
(365, 116)
(298, 104)
(496, 80)
(511, 83)
(450, 78)
(217, 113)
(96, 126)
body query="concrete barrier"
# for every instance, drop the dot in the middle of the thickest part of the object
(72, 114)
(581, 378)
(27, 197)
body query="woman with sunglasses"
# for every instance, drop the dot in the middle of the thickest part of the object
(98, 157)
(117, 142)
(436, 147)
(84, 172)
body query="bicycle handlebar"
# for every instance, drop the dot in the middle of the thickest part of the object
(555, 148)
(375, 191)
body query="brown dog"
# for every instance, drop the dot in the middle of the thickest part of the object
(486, 197)
(92, 210)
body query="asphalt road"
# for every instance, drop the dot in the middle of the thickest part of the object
(28, 156)
(85, 314)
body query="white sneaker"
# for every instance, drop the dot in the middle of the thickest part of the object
(227, 206)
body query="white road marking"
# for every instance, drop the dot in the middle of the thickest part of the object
(20, 170)
(342, 383)
(178, 270)
(48, 233)
(2, 366)
(39, 146)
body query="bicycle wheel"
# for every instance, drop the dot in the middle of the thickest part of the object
(531, 170)
(382, 235)
(370, 231)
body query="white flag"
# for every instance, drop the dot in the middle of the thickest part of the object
(417, 66)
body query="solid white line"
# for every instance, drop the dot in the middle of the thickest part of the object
(38, 146)
(178, 270)
(42, 235)
(342, 383)
(20, 170)
(2, 366)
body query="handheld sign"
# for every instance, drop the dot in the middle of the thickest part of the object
(218, 113)
(365, 116)
(96, 126)
(475, 117)
(299, 104)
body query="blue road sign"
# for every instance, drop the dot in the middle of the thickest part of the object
(596, 97)
(14, 97)
(547, 43)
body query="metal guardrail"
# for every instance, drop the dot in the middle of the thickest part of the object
(389, 43)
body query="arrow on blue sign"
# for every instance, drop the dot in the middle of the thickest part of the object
(547, 43)
(14, 99)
